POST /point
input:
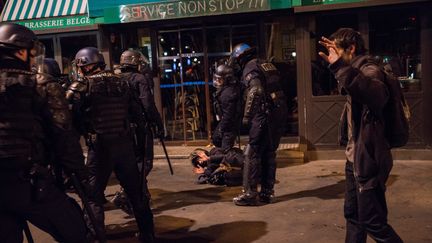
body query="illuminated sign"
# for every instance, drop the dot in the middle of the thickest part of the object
(55, 23)
(188, 8)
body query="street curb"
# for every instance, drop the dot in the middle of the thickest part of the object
(172, 156)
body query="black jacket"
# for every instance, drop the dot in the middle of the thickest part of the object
(362, 79)
(143, 88)
(58, 144)
(229, 99)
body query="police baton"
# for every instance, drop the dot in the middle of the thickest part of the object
(27, 232)
(166, 155)
(78, 187)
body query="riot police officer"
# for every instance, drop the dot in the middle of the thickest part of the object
(104, 107)
(265, 112)
(35, 130)
(51, 73)
(227, 105)
(136, 70)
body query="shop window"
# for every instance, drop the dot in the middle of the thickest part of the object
(116, 47)
(218, 40)
(281, 51)
(49, 46)
(323, 82)
(218, 46)
(70, 45)
(168, 44)
(192, 41)
(244, 34)
(144, 41)
(395, 41)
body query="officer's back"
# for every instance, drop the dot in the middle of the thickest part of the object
(105, 98)
(104, 108)
(31, 137)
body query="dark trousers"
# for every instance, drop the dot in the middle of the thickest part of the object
(264, 137)
(116, 153)
(366, 212)
(51, 210)
(149, 151)
(224, 140)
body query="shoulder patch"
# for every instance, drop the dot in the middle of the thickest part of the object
(268, 67)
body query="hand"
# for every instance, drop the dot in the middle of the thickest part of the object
(334, 54)
(202, 157)
(199, 170)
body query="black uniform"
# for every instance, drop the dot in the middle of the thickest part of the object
(105, 110)
(265, 113)
(227, 106)
(35, 130)
(142, 86)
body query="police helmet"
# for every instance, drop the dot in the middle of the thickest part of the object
(133, 58)
(51, 67)
(89, 55)
(223, 73)
(15, 36)
(49, 71)
(242, 53)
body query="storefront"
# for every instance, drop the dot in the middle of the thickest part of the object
(398, 33)
(63, 26)
(186, 40)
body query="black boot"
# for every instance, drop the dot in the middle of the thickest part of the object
(122, 202)
(146, 237)
(250, 174)
(266, 195)
(246, 199)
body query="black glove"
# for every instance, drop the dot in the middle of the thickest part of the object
(160, 132)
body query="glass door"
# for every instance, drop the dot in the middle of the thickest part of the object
(181, 62)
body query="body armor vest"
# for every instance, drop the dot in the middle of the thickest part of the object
(109, 96)
(21, 133)
(57, 104)
(271, 75)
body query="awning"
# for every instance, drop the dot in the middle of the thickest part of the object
(16, 10)
(96, 7)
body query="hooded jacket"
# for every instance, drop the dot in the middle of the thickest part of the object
(362, 80)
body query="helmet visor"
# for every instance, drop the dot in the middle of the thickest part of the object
(217, 80)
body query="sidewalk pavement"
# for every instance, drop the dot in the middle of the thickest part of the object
(308, 207)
